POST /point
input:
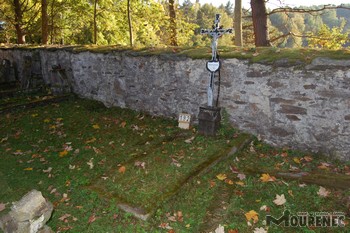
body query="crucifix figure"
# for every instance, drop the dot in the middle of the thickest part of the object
(214, 64)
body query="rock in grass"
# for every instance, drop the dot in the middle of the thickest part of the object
(29, 215)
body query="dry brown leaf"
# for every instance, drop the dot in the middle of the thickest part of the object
(323, 192)
(123, 124)
(92, 218)
(308, 158)
(122, 169)
(280, 199)
(64, 217)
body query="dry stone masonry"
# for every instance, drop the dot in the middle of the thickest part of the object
(305, 106)
(29, 215)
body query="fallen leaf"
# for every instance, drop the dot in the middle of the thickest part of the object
(63, 153)
(302, 185)
(234, 169)
(92, 218)
(308, 158)
(212, 183)
(190, 139)
(232, 231)
(280, 199)
(95, 126)
(90, 140)
(264, 207)
(140, 164)
(260, 230)
(220, 229)
(165, 225)
(180, 216)
(290, 192)
(240, 183)
(48, 170)
(175, 162)
(28, 169)
(252, 215)
(91, 163)
(4, 139)
(123, 124)
(2, 206)
(228, 181)
(322, 192)
(241, 176)
(64, 217)
(324, 166)
(267, 178)
(221, 176)
(122, 169)
(296, 160)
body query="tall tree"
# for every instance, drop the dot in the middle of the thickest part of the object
(21, 39)
(259, 15)
(238, 23)
(130, 23)
(172, 14)
(44, 22)
(95, 22)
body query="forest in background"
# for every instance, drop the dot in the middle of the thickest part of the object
(150, 23)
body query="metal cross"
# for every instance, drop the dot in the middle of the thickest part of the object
(214, 65)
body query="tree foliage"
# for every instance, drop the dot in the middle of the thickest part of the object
(106, 22)
(329, 38)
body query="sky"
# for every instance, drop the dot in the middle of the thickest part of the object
(277, 3)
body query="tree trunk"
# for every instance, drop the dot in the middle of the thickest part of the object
(238, 23)
(130, 25)
(44, 22)
(18, 22)
(95, 23)
(52, 31)
(172, 14)
(261, 31)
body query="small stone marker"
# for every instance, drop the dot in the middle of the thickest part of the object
(29, 215)
(184, 121)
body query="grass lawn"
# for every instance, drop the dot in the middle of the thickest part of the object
(86, 159)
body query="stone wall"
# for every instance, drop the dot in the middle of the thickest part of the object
(305, 106)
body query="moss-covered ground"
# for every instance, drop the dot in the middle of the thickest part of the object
(253, 54)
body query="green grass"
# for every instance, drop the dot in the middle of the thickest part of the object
(70, 136)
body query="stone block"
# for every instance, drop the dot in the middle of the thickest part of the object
(28, 215)
(290, 109)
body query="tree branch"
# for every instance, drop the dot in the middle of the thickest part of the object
(306, 11)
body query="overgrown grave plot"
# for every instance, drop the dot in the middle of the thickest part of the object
(142, 184)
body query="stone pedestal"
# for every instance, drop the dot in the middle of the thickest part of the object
(209, 120)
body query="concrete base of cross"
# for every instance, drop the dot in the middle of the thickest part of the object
(209, 119)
